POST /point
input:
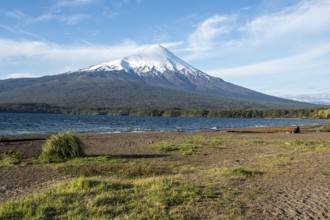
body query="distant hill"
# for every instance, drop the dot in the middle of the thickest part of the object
(153, 79)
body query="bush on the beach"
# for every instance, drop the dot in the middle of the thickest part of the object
(61, 147)
(326, 128)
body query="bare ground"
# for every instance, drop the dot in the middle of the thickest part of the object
(298, 188)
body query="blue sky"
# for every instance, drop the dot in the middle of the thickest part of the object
(278, 47)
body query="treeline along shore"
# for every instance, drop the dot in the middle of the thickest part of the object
(316, 113)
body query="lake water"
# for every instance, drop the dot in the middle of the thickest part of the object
(12, 123)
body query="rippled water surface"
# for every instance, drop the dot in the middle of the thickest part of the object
(12, 123)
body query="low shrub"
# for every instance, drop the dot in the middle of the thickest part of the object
(11, 157)
(61, 147)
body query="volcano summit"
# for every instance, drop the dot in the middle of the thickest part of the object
(157, 66)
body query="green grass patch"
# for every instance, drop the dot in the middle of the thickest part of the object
(191, 146)
(191, 193)
(280, 160)
(11, 157)
(61, 147)
(259, 142)
(109, 166)
(166, 146)
(153, 198)
(313, 145)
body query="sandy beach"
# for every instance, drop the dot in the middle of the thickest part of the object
(294, 181)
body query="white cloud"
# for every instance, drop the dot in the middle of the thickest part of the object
(170, 45)
(56, 12)
(263, 37)
(311, 60)
(18, 15)
(317, 98)
(287, 77)
(206, 33)
(72, 19)
(49, 58)
(68, 19)
(18, 30)
(19, 75)
(11, 48)
(72, 3)
(300, 22)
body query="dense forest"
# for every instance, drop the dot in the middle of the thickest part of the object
(113, 94)
(317, 113)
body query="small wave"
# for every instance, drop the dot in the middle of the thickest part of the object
(109, 132)
(20, 123)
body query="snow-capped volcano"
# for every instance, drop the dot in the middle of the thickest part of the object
(155, 78)
(154, 60)
(157, 66)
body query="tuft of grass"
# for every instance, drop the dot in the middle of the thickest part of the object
(11, 157)
(61, 147)
(326, 128)
(191, 146)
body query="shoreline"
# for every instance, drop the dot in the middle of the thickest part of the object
(257, 129)
(278, 129)
(135, 142)
(78, 124)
